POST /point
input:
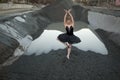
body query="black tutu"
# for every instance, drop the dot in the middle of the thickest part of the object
(69, 38)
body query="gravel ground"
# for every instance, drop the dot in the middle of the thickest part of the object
(54, 66)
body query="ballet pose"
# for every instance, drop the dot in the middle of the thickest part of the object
(68, 38)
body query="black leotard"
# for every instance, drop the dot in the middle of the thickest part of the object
(69, 30)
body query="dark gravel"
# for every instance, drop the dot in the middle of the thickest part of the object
(7, 47)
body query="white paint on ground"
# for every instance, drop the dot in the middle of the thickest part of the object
(48, 41)
(20, 19)
(89, 41)
(24, 44)
(45, 43)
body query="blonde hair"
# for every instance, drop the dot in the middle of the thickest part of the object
(68, 17)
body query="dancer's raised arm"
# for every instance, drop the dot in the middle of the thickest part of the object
(72, 23)
(68, 18)
(65, 17)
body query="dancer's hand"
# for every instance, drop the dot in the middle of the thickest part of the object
(65, 10)
(69, 10)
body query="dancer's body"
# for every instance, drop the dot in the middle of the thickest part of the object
(68, 38)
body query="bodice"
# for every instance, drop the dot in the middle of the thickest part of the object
(69, 30)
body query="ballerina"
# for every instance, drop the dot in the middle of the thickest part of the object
(68, 38)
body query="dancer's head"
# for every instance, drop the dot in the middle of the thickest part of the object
(68, 20)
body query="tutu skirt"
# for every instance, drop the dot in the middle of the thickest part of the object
(71, 39)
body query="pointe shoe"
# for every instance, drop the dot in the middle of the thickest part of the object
(68, 57)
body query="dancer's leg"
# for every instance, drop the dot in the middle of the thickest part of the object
(69, 51)
(68, 48)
